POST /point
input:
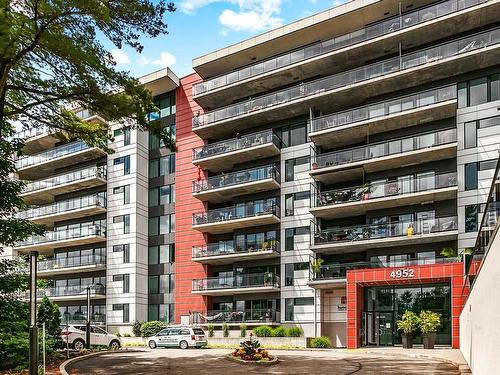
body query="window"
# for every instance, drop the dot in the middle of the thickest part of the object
(478, 91)
(162, 312)
(304, 301)
(162, 166)
(160, 284)
(290, 234)
(125, 160)
(294, 135)
(161, 224)
(471, 215)
(161, 195)
(470, 134)
(125, 308)
(155, 142)
(153, 284)
(125, 219)
(126, 136)
(166, 106)
(126, 251)
(487, 164)
(290, 201)
(289, 274)
(117, 132)
(488, 122)
(294, 166)
(161, 254)
(289, 309)
(471, 176)
(301, 266)
(125, 190)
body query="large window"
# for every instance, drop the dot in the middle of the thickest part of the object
(155, 142)
(293, 135)
(161, 224)
(161, 254)
(290, 303)
(124, 307)
(125, 219)
(470, 134)
(290, 201)
(162, 312)
(161, 284)
(478, 91)
(290, 234)
(470, 176)
(471, 217)
(294, 166)
(162, 195)
(166, 106)
(125, 160)
(125, 190)
(162, 166)
(126, 251)
(125, 279)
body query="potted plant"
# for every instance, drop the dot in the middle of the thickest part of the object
(429, 323)
(268, 278)
(408, 324)
(366, 191)
(316, 265)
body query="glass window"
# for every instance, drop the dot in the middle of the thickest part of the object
(153, 226)
(304, 301)
(471, 215)
(153, 255)
(494, 87)
(289, 274)
(487, 164)
(471, 176)
(165, 194)
(294, 166)
(164, 224)
(153, 315)
(126, 313)
(153, 284)
(470, 134)
(289, 200)
(289, 309)
(154, 168)
(289, 234)
(488, 122)
(126, 224)
(478, 91)
(117, 132)
(126, 283)
(301, 266)
(153, 197)
(294, 135)
(462, 95)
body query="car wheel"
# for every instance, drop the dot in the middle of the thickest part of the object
(78, 344)
(152, 344)
(183, 344)
(114, 345)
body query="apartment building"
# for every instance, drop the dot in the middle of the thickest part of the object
(324, 166)
(110, 217)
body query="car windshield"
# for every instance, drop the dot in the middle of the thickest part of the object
(198, 331)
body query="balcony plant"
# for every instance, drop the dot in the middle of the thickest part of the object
(268, 279)
(316, 265)
(429, 323)
(408, 324)
(210, 329)
(366, 191)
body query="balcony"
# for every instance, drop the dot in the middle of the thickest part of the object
(352, 49)
(71, 265)
(225, 154)
(67, 209)
(70, 293)
(81, 318)
(363, 237)
(349, 127)
(405, 191)
(37, 139)
(226, 187)
(250, 214)
(247, 316)
(40, 165)
(239, 284)
(83, 235)
(227, 252)
(354, 163)
(348, 88)
(44, 191)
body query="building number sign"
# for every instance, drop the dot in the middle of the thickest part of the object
(402, 273)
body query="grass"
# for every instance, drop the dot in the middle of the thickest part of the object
(275, 347)
(133, 344)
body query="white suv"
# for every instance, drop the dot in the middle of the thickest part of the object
(76, 335)
(180, 337)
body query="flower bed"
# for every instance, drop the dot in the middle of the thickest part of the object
(250, 351)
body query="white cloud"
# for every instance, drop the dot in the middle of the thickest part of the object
(144, 60)
(166, 59)
(120, 57)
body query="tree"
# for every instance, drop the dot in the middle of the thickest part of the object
(48, 313)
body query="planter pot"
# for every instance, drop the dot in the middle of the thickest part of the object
(407, 339)
(429, 339)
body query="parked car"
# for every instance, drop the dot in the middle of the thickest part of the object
(76, 336)
(179, 337)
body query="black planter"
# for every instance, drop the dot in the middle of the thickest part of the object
(429, 339)
(407, 339)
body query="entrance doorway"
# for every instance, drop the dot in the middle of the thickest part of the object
(378, 328)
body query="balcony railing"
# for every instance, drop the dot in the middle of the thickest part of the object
(70, 291)
(71, 262)
(255, 280)
(82, 174)
(30, 132)
(81, 318)
(240, 211)
(42, 157)
(386, 108)
(237, 178)
(236, 144)
(96, 200)
(230, 248)
(359, 233)
(240, 316)
(403, 185)
(378, 150)
(322, 85)
(67, 234)
(375, 30)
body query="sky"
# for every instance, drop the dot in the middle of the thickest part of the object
(201, 26)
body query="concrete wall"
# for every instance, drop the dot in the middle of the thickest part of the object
(479, 328)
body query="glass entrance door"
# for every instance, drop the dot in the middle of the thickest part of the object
(378, 328)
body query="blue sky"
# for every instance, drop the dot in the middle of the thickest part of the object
(201, 26)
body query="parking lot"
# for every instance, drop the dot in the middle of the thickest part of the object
(211, 361)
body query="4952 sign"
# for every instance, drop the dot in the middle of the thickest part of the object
(402, 273)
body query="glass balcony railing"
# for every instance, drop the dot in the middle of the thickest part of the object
(359, 233)
(71, 262)
(66, 178)
(237, 178)
(31, 132)
(66, 234)
(252, 280)
(381, 149)
(403, 186)
(42, 157)
(81, 318)
(71, 290)
(236, 144)
(230, 248)
(386, 108)
(96, 200)
(367, 72)
(240, 211)
(375, 30)
(239, 316)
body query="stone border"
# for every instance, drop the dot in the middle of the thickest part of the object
(63, 365)
(273, 361)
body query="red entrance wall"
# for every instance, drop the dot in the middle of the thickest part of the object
(185, 205)
(447, 272)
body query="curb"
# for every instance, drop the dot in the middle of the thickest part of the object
(62, 367)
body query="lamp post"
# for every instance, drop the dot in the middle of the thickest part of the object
(33, 329)
(87, 331)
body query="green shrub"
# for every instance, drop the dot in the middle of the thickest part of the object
(243, 330)
(152, 328)
(118, 334)
(408, 322)
(263, 331)
(429, 321)
(225, 330)
(126, 335)
(210, 329)
(321, 342)
(294, 332)
(136, 328)
(278, 332)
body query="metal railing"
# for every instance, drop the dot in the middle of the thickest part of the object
(42, 157)
(82, 318)
(236, 144)
(385, 108)
(252, 280)
(404, 185)
(359, 233)
(71, 262)
(85, 230)
(229, 247)
(74, 290)
(30, 132)
(95, 200)
(240, 316)
(387, 148)
(375, 30)
(65, 178)
(367, 72)
(237, 178)
(240, 211)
